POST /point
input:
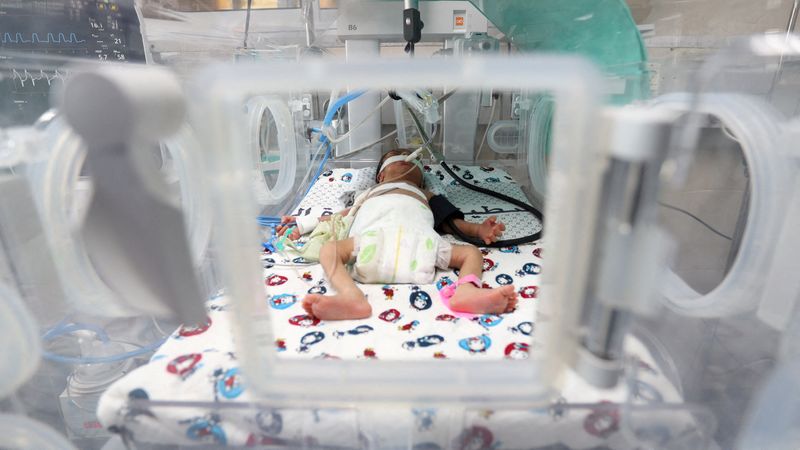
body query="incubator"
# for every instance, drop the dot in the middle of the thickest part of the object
(643, 165)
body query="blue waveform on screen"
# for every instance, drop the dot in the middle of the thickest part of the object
(37, 38)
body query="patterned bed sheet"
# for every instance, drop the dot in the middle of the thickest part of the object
(408, 322)
(198, 364)
(411, 322)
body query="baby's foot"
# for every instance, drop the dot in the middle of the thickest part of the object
(471, 299)
(337, 307)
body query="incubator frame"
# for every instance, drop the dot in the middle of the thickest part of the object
(576, 169)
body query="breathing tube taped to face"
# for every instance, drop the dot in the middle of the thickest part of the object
(502, 243)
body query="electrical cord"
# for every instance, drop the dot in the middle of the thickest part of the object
(701, 221)
(502, 243)
(526, 207)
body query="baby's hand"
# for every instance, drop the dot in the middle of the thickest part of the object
(490, 230)
(287, 223)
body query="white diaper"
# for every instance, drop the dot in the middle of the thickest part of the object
(399, 255)
(394, 242)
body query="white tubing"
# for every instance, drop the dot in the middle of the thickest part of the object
(402, 139)
(375, 110)
(755, 124)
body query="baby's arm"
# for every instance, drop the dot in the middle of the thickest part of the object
(488, 231)
(444, 212)
(300, 227)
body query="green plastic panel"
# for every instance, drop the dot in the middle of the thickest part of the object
(602, 30)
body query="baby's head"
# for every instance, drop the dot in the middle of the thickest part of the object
(398, 170)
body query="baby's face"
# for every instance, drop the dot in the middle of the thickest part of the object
(400, 170)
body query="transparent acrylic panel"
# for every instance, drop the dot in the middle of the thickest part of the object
(680, 36)
(736, 89)
(733, 170)
(719, 362)
(255, 312)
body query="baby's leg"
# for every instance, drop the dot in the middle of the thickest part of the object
(472, 299)
(349, 302)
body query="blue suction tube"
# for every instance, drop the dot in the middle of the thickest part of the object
(324, 141)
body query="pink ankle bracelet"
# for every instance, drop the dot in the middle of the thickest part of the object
(447, 292)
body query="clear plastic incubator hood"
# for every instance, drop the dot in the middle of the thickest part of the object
(150, 296)
(397, 380)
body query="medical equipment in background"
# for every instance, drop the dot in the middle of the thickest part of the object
(629, 213)
(462, 109)
(737, 88)
(46, 196)
(363, 25)
(39, 37)
(412, 24)
(99, 31)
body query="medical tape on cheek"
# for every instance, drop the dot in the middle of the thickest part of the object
(398, 158)
(391, 160)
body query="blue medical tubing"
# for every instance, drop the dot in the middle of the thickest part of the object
(341, 101)
(272, 222)
(65, 328)
(103, 359)
(332, 109)
(62, 329)
(268, 221)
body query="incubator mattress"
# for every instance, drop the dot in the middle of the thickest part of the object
(198, 364)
